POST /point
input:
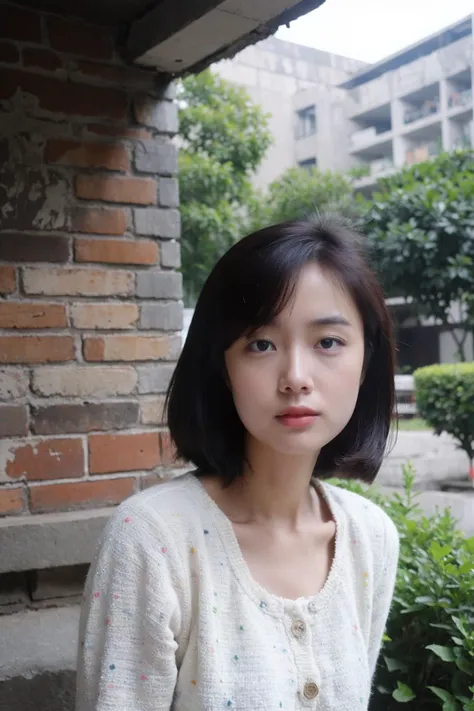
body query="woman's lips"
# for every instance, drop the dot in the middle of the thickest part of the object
(297, 417)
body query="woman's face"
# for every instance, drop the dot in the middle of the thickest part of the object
(295, 382)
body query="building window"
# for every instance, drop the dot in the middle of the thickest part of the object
(308, 164)
(306, 122)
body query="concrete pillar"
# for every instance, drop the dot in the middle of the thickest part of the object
(397, 126)
(446, 138)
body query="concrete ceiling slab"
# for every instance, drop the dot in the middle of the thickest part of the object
(260, 10)
(184, 49)
(178, 38)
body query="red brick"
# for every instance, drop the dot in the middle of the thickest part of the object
(107, 316)
(83, 417)
(116, 251)
(19, 247)
(99, 220)
(80, 495)
(87, 155)
(138, 191)
(79, 281)
(117, 75)
(126, 348)
(42, 59)
(19, 24)
(25, 315)
(42, 460)
(79, 38)
(64, 97)
(9, 53)
(119, 131)
(13, 420)
(36, 349)
(123, 452)
(12, 500)
(7, 280)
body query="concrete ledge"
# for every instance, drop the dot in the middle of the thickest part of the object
(37, 666)
(50, 540)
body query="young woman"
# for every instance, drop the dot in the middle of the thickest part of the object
(250, 583)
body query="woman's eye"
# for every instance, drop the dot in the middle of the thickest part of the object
(261, 346)
(330, 344)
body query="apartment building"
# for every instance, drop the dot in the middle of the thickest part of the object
(275, 74)
(337, 113)
(413, 105)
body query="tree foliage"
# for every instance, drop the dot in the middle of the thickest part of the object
(224, 138)
(299, 192)
(421, 226)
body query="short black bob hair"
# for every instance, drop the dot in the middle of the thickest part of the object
(247, 289)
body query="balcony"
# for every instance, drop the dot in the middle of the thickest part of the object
(460, 98)
(381, 165)
(416, 113)
(423, 152)
(462, 143)
(376, 169)
(368, 137)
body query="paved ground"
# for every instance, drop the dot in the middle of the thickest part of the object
(434, 459)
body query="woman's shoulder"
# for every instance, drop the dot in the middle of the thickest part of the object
(364, 514)
(166, 498)
(169, 511)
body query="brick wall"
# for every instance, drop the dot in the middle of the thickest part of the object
(90, 306)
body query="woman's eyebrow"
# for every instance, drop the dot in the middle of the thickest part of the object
(331, 320)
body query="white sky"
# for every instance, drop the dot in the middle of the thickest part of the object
(372, 29)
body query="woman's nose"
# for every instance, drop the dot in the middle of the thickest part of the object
(296, 375)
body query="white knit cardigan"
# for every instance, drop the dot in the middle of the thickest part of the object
(173, 619)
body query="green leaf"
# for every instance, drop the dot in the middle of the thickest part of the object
(444, 653)
(465, 666)
(450, 706)
(439, 552)
(395, 664)
(403, 693)
(442, 693)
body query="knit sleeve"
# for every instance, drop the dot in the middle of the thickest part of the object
(384, 589)
(132, 617)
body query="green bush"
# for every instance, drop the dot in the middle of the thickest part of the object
(427, 662)
(445, 399)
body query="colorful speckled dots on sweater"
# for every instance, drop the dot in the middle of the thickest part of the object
(173, 620)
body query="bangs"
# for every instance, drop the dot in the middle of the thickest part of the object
(261, 287)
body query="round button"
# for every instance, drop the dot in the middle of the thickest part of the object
(298, 628)
(310, 690)
(312, 607)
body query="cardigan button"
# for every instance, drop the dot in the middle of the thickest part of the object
(298, 628)
(310, 690)
(312, 607)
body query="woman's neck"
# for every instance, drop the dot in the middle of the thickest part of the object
(273, 490)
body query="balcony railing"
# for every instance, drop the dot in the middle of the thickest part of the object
(366, 136)
(418, 112)
(381, 165)
(462, 143)
(460, 98)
